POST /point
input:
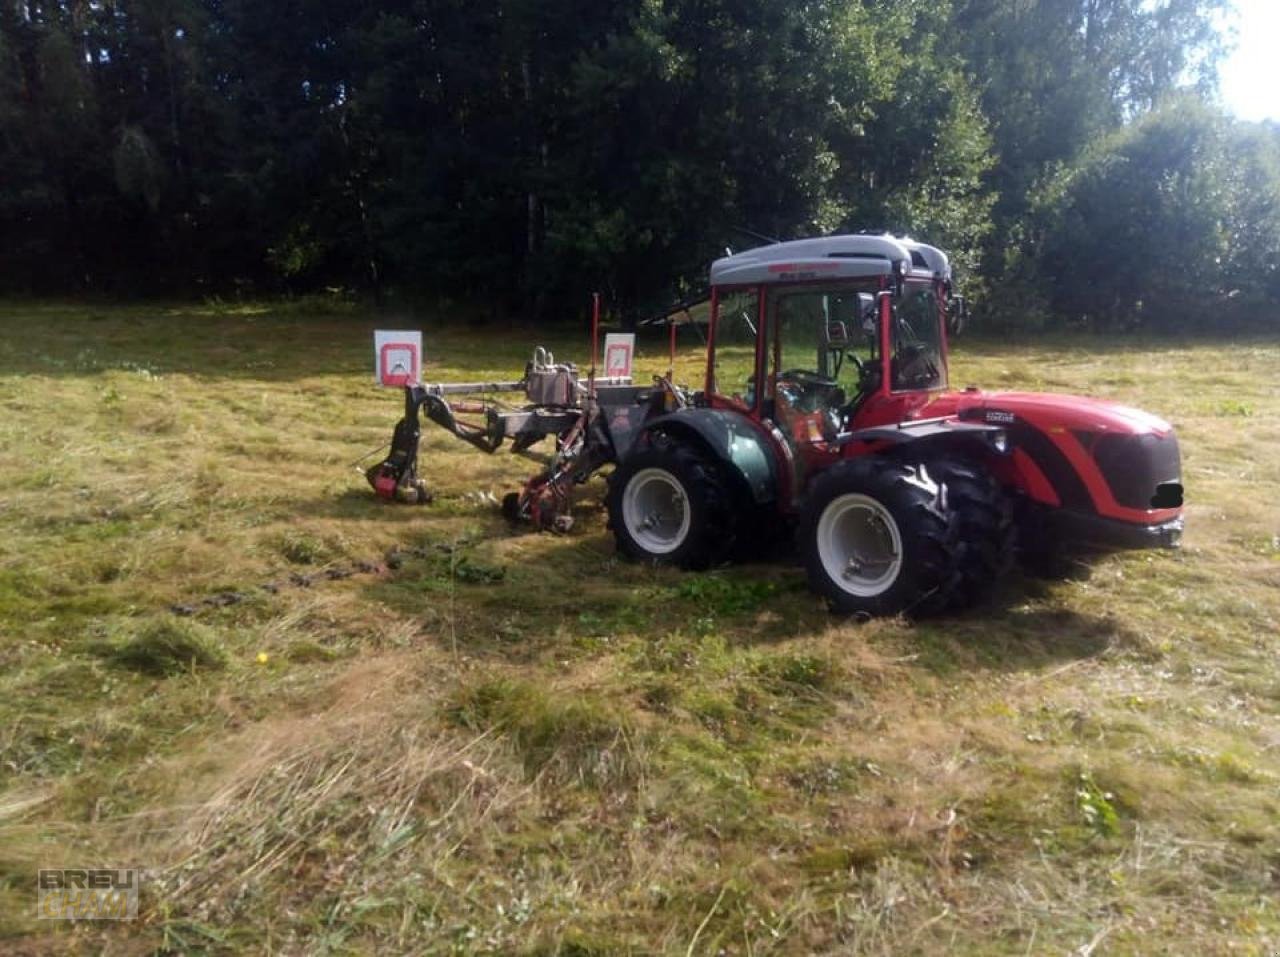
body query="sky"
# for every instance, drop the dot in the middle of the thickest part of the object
(1249, 78)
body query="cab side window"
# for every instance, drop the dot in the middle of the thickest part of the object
(735, 346)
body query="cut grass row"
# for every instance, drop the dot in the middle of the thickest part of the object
(516, 742)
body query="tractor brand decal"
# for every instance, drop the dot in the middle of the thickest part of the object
(804, 267)
(397, 357)
(996, 415)
(619, 350)
(793, 272)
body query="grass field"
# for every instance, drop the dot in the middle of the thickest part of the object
(513, 742)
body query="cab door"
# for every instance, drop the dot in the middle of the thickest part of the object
(822, 341)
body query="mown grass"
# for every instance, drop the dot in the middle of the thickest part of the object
(514, 742)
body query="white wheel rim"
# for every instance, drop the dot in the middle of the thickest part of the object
(860, 545)
(656, 511)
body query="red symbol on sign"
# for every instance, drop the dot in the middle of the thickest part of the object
(617, 360)
(399, 361)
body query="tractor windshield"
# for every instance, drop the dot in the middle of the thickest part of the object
(917, 341)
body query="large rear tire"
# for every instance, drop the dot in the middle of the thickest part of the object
(878, 538)
(987, 533)
(669, 504)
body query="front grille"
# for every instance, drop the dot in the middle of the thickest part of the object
(1140, 468)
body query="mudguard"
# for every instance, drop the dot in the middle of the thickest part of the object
(732, 438)
(932, 431)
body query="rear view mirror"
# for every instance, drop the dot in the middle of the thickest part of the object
(867, 312)
(957, 315)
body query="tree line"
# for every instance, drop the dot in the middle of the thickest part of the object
(514, 154)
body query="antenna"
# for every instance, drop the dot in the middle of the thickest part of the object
(743, 231)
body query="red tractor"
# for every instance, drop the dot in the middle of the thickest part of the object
(827, 410)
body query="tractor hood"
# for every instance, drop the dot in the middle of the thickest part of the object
(1049, 410)
(1088, 456)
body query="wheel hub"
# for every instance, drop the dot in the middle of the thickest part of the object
(655, 511)
(860, 545)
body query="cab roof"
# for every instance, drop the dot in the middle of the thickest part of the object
(852, 256)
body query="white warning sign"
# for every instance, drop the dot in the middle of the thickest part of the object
(619, 350)
(397, 357)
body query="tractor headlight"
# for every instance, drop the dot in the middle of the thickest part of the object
(999, 441)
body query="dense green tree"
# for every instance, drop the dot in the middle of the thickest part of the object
(1136, 232)
(1251, 262)
(515, 154)
(917, 162)
(1058, 75)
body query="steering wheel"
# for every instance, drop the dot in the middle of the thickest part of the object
(807, 379)
(815, 391)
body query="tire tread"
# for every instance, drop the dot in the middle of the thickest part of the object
(926, 589)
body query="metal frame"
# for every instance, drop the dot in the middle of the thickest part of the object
(601, 418)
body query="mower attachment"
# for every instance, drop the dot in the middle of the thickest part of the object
(558, 403)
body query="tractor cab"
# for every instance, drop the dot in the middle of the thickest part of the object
(818, 338)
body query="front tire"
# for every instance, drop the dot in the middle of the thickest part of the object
(879, 539)
(987, 533)
(669, 504)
